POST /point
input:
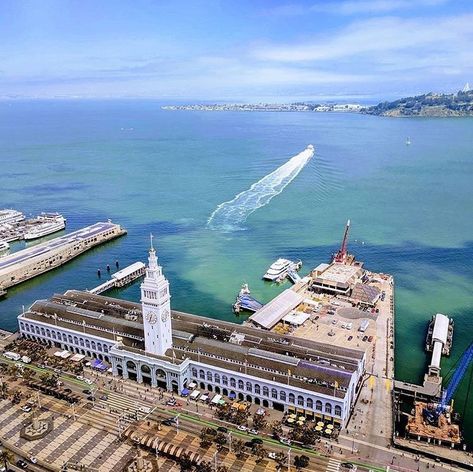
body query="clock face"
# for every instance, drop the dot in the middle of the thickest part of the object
(165, 314)
(151, 317)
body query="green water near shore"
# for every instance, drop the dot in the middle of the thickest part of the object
(410, 206)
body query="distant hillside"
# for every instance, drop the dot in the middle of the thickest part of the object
(431, 104)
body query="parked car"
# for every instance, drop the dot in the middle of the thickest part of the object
(285, 441)
(87, 392)
(103, 397)
(91, 398)
(21, 464)
(370, 339)
(257, 441)
(242, 428)
(350, 338)
(349, 465)
(168, 422)
(222, 429)
(272, 455)
(254, 431)
(88, 381)
(365, 338)
(33, 460)
(26, 408)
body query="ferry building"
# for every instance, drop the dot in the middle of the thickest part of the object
(152, 344)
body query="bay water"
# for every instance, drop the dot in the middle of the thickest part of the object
(167, 172)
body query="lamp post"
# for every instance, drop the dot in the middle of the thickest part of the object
(215, 460)
(289, 460)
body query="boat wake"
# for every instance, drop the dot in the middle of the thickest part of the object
(228, 216)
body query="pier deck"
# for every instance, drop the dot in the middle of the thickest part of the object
(29, 262)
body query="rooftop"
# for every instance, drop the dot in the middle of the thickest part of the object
(304, 363)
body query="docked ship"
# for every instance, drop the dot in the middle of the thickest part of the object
(279, 269)
(48, 223)
(4, 246)
(10, 216)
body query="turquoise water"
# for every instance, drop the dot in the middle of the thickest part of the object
(166, 172)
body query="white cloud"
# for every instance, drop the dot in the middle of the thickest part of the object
(377, 36)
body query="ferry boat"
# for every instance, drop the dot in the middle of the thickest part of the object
(10, 216)
(48, 223)
(279, 269)
(4, 246)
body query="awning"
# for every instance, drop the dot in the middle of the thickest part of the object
(192, 385)
(232, 395)
(204, 398)
(195, 394)
(216, 399)
(77, 357)
(185, 391)
(98, 364)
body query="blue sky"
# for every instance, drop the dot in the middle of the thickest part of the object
(241, 50)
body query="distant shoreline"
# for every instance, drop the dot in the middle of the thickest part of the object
(459, 104)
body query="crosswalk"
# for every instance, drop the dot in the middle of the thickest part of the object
(333, 465)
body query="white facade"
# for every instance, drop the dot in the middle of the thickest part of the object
(156, 307)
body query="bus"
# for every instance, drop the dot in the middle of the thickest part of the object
(12, 355)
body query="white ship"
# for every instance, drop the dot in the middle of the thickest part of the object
(48, 223)
(4, 246)
(279, 269)
(10, 216)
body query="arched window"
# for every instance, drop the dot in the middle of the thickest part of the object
(310, 403)
(274, 393)
(292, 398)
(209, 376)
(282, 395)
(224, 380)
(160, 373)
(300, 400)
(145, 369)
(76, 340)
(130, 365)
(217, 378)
(99, 347)
(53, 334)
(201, 374)
(81, 341)
(87, 343)
(94, 347)
(194, 372)
(232, 382)
(64, 337)
(105, 348)
(42, 332)
(318, 405)
(249, 387)
(241, 385)
(257, 389)
(338, 410)
(265, 391)
(328, 408)
(37, 331)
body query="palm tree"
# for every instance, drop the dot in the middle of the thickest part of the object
(206, 438)
(3, 390)
(185, 463)
(220, 440)
(6, 457)
(276, 428)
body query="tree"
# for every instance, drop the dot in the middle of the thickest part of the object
(276, 428)
(222, 468)
(280, 459)
(238, 446)
(185, 463)
(204, 466)
(3, 390)
(301, 461)
(6, 457)
(259, 452)
(220, 440)
(206, 437)
(259, 421)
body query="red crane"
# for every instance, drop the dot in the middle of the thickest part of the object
(341, 255)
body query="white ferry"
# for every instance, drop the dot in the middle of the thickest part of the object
(10, 216)
(278, 270)
(4, 246)
(49, 223)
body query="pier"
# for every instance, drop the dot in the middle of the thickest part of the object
(33, 261)
(121, 278)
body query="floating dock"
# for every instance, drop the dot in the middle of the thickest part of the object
(121, 278)
(30, 262)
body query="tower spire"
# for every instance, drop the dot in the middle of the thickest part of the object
(151, 247)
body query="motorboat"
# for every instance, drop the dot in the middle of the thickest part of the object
(279, 269)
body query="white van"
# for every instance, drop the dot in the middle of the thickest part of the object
(12, 355)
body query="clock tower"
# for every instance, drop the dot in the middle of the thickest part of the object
(156, 307)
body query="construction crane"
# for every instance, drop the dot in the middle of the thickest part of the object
(341, 255)
(449, 391)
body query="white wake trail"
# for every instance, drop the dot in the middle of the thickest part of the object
(228, 216)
